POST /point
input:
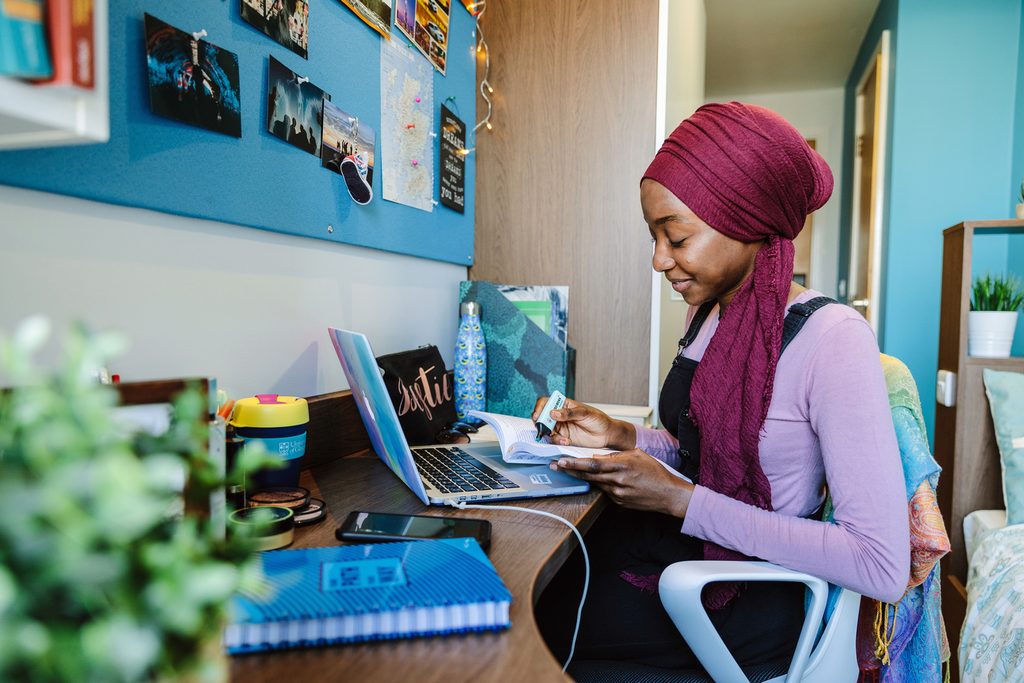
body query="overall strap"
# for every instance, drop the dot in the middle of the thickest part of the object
(696, 323)
(798, 315)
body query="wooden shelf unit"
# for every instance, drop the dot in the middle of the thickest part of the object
(44, 116)
(964, 444)
(963, 432)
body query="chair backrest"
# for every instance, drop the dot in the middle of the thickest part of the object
(834, 657)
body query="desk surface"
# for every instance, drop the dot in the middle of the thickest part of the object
(526, 549)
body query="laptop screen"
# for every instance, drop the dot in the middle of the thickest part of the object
(379, 416)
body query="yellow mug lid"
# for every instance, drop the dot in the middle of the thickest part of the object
(270, 410)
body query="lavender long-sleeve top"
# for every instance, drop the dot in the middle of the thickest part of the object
(829, 420)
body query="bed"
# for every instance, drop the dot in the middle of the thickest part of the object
(992, 639)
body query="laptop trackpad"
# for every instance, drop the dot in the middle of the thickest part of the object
(526, 475)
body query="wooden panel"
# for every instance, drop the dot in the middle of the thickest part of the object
(977, 471)
(949, 359)
(525, 549)
(157, 391)
(954, 609)
(335, 429)
(557, 194)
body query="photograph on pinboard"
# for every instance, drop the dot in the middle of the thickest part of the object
(425, 22)
(345, 136)
(376, 14)
(286, 21)
(192, 81)
(294, 108)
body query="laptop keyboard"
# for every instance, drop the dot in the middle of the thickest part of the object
(452, 470)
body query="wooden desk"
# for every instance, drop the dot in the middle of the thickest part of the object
(526, 549)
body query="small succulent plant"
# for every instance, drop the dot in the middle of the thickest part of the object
(996, 293)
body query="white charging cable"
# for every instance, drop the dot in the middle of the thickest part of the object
(583, 547)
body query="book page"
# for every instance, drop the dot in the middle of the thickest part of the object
(517, 438)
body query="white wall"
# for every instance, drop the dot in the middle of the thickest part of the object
(198, 297)
(818, 115)
(685, 36)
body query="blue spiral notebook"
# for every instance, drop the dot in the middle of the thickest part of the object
(344, 594)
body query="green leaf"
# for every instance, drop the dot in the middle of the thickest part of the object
(999, 293)
(98, 581)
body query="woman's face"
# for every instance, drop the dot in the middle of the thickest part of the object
(701, 263)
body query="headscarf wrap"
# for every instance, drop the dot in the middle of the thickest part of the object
(746, 172)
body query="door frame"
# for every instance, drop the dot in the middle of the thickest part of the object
(882, 56)
(654, 371)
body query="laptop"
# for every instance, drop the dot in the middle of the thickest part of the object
(438, 475)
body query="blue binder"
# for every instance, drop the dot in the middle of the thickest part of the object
(342, 594)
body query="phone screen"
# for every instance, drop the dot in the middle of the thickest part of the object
(370, 525)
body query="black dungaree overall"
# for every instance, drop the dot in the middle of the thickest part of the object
(623, 622)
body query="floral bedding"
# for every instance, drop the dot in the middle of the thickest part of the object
(992, 639)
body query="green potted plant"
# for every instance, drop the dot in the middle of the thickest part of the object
(1020, 202)
(992, 321)
(98, 580)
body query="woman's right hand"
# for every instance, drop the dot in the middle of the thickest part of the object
(578, 424)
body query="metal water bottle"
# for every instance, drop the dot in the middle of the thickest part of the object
(470, 362)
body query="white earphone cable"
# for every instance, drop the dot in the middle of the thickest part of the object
(583, 548)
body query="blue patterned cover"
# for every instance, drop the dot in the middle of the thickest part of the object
(1005, 391)
(452, 578)
(992, 640)
(523, 362)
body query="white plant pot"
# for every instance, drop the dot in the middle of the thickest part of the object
(990, 333)
(1020, 211)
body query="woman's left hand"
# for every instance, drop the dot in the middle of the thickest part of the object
(632, 479)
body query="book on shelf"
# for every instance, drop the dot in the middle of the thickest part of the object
(23, 51)
(70, 29)
(355, 593)
(517, 438)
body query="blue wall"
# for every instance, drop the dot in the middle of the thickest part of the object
(1018, 123)
(954, 91)
(953, 118)
(258, 180)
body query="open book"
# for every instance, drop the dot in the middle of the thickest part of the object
(517, 437)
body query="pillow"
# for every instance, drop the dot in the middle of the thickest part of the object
(1005, 392)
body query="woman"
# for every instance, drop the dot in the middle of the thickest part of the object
(762, 432)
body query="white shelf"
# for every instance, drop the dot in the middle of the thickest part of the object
(42, 116)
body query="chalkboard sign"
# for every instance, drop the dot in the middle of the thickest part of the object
(452, 178)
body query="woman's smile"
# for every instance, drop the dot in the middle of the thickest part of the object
(681, 285)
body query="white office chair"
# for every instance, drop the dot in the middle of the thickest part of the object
(832, 658)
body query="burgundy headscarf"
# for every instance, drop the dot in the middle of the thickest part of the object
(746, 172)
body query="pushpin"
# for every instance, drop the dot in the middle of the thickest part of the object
(417, 100)
(415, 162)
(410, 125)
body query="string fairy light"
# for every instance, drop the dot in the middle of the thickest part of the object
(486, 90)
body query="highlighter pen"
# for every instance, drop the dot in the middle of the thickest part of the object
(546, 425)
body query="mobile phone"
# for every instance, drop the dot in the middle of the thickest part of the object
(371, 527)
